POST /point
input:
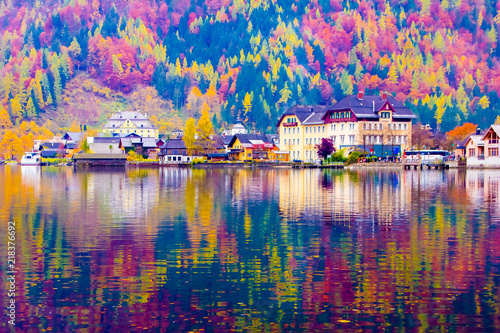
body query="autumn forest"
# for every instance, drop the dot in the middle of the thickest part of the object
(66, 63)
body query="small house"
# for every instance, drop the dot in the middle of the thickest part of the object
(174, 151)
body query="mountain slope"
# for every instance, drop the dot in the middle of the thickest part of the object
(250, 60)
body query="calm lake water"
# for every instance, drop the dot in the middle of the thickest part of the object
(168, 250)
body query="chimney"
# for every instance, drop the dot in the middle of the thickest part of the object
(360, 95)
(384, 95)
(478, 131)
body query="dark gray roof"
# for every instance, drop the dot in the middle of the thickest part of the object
(315, 118)
(364, 108)
(174, 144)
(71, 145)
(49, 153)
(227, 139)
(302, 112)
(72, 136)
(245, 138)
(218, 142)
(52, 145)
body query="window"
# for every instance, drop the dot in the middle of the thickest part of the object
(342, 127)
(306, 129)
(298, 130)
(334, 127)
(293, 130)
(405, 126)
(323, 129)
(298, 141)
(293, 141)
(364, 126)
(472, 152)
(334, 139)
(331, 127)
(314, 129)
(370, 126)
(314, 140)
(298, 154)
(342, 139)
(385, 115)
(380, 126)
(492, 151)
(351, 139)
(399, 126)
(249, 155)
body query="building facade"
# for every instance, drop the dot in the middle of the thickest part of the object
(483, 150)
(130, 122)
(380, 125)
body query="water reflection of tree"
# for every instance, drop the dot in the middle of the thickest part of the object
(230, 260)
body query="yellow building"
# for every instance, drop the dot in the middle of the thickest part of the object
(381, 125)
(249, 147)
(131, 122)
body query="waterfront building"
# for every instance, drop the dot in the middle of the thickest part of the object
(130, 122)
(249, 147)
(141, 146)
(482, 150)
(174, 151)
(380, 125)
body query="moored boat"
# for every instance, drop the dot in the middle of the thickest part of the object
(31, 158)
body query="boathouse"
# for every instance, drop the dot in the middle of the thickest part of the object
(99, 159)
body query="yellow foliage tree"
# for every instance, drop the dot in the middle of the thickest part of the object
(247, 103)
(484, 102)
(74, 127)
(205, 130)
(5, 119)
(189, 136)
(17, 108)
(11, 146)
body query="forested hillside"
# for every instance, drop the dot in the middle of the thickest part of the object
(250, 60)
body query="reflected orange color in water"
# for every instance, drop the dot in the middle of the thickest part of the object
(253, 250)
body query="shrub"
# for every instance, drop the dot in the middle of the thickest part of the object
(353, 157)
(197, 161)
(338, 156)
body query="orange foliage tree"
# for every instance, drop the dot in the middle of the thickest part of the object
(459, 133)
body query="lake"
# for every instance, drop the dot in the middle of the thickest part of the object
(175, 249)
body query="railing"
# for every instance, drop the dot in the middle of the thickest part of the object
(493, 141)
(290, 124)
(480, 157)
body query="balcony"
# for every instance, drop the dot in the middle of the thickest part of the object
(290, 124)
(493, 141)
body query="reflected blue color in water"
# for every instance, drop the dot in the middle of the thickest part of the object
(265, 250)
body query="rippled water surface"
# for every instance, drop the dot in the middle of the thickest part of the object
(168, 250)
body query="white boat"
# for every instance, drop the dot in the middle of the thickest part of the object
(31, 158)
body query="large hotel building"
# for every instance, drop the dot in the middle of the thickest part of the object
(377, 124)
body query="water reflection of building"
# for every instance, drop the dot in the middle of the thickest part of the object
(345, 196)
(483, 190)
(31, 176)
